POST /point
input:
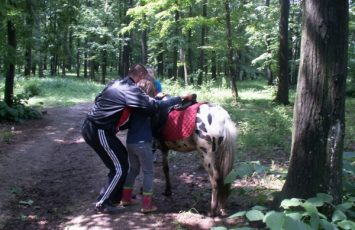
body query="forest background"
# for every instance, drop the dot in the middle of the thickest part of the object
(231, 52)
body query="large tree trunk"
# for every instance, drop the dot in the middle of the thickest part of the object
(10, 69)
(282, 86)
(319, 126)
(230, 54)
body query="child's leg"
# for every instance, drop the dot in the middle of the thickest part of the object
(146, 158)
(134, 168)
(134, 165)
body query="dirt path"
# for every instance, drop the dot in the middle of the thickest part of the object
(49, 179)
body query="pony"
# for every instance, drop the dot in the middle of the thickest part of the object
(214, 137)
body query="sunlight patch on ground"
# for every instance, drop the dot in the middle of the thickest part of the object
(79, 140)
(253, 94)
(194, 220)
(266, 182)
(98, 221)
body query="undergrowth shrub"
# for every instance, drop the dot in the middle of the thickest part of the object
(318, 212)
(32, 89)
(19, 110)
(314, 213)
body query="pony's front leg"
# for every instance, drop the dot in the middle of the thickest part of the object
(167, 191)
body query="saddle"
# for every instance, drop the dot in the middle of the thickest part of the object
(177, 122)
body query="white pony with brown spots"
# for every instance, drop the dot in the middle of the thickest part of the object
(214, 137)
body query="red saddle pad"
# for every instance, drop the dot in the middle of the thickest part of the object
(180, 124)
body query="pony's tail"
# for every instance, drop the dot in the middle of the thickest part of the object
(225, 155)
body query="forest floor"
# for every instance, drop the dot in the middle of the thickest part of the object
(49, 179)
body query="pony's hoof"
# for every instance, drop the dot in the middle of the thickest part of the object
(212, 214)
(223, 212)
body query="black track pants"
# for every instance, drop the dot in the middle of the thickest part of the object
(115, 157)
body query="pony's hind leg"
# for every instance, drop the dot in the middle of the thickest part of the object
(167, 191)
(213, 176)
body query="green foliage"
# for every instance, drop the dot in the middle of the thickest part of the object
(349, 171)
(351, 51)
(20, 110)
(349, 123)
(314, 213)
(32, 89)
(58, 91)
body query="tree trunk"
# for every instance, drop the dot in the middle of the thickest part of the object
(28, 36)
(78, 59)
(175, 49)
(104, 67)
(190, 66)
(40, 65)
(45, 61)
(63, 68)
(160, 60)
(127, 38)
(144, 47)
(283, 83)
(214, 66)
(183, 67)
(92, 70)
(28, 60)
(319, 126)
(64, 56)
(202, 44)
(10, 69)
(230, 54)
(269, 75)
(34, 65)
(70, 50)
(86, 59)
(126, 56)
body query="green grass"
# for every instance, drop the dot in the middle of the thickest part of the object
(59, 91)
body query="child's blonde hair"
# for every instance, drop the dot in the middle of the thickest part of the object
(147, 86)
